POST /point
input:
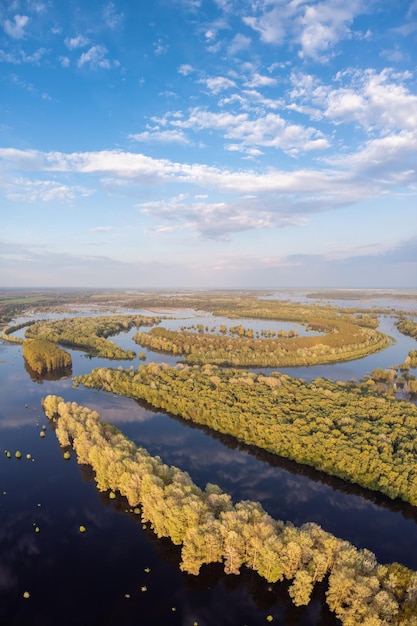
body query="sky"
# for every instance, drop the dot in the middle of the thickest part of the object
(208, 143)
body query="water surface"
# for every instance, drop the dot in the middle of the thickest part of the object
(99, 577)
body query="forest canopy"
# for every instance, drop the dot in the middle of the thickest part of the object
(90, 333)
(44, 356)
(344, 430)
(210, 528)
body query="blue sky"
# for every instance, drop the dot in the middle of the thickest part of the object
(208, 143)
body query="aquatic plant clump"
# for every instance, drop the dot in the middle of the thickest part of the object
(211, 529)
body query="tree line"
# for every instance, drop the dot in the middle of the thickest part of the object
(342, 429)
(407, 326)
(211, 529)
(344, 341)
(44, 356)
(90, 333)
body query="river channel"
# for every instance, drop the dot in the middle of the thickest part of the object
(118, 572)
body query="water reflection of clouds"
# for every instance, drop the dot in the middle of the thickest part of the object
(16, 547)
(8, 580)
(117, 410)
(11, 421)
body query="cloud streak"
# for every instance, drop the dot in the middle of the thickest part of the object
(340, 184)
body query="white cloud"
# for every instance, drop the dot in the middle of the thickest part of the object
(373, 100)
(16, 28)
(38, 7)
(258, 80)
(113, 19)
(235, 147)
(377, 169)
(269, 130)
(316, 26)
(271, 25)
(22, 57)
(396, 55)
(185, 69)
(132, 166)
(160, 47)
(225, 5)
(64, 61)
(161, 136)
(73, 43)
(412, 9)
(392, 156)
(95, 57)
(21, 189)
(239, 42)
(324, 24)
(215, 220)
(218, 83)
(192, 5)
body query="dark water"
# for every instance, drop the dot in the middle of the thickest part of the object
(99, 577)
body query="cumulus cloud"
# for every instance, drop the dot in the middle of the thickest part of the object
(325, 24)
(185, 69)
(391, 157)
(95, 57)
(217, 84)
(371, 99)
(271, 24)
(269, 130)
(16, 28)
(79, 41)
(258, 80)
(315, 26)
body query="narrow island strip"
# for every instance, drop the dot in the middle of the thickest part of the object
(342, 429)
(211, 529)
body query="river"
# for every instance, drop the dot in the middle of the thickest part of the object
(117, 572)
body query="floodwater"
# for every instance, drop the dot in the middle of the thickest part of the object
(118, 572)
